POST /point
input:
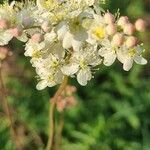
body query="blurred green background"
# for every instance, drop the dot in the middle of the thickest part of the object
(113, 111)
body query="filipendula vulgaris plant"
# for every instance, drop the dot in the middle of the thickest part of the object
(69, 39)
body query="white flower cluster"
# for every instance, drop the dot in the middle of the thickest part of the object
(70, 38)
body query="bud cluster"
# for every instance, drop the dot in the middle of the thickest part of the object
(67, 99)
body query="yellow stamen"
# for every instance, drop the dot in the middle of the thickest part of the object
(99, 32)
(83, 64)
(37, 54)
(132, 52)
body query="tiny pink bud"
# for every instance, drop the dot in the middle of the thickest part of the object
(109, 18)
(140, 25)
(73, 89)
(70, 89)
(123, 21)
(61, 105)
(70, 101)
(131, 41)
(16, 32)
(3, 24)
(37, 37)
(46, 26)
(111, 29)
(129, 29)
(118, 39)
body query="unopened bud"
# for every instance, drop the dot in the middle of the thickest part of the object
(109, 18)
(118, 39)
(37, 37)
(131, 41)
(111, 29)
(16, 32)
(123, 21)
(140, 25)
(129, 29)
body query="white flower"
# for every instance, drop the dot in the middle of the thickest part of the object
(97, 31)
(49, 71)
(73, 33)
(68, 39)
(81, 64)
(108, 51)
(128, 56)
(49, 79)
(34, 50)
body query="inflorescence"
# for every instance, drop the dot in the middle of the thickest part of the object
(70, 38)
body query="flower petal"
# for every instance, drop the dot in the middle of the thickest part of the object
(127, 65)
(83, 76)
(76, 45)
(5, 37)
(67, 41)
(51, 84)
(23, 38)
(49, 37)
(121, 56)
(109, 59)
(140, 60)
(41, 85)
(61, 30)
(70, 69)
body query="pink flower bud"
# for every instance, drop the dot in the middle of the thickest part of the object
(123, 21)
(3, 24)
(131, 41)
(61, 105)
(16, 32)
(70, 90)
(109, 18)
(140, 25)
(118, 39)
(129, 29)
(111, 29)
(70, 101)
(46, 26)
(37, 37)
(73, 89)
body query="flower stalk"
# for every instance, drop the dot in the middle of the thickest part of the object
(8, 111)
(50, 143)
(59, 131)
